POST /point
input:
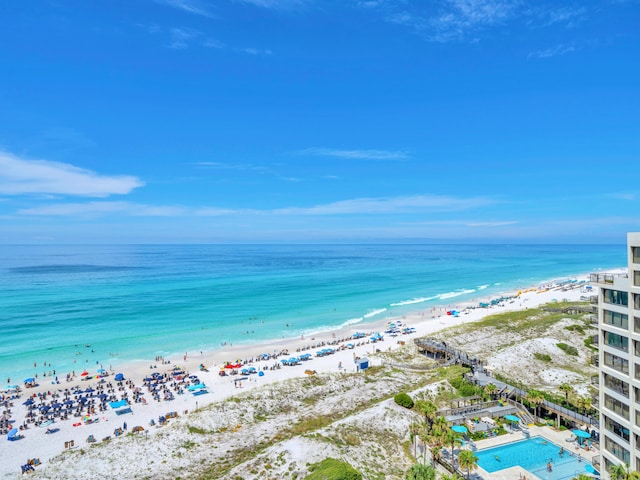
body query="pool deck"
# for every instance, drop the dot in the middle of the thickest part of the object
(516, 473)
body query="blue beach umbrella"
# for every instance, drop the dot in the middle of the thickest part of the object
(29, 380)
(459, 429)
(12, 433)
(581, 433)
(29, 402)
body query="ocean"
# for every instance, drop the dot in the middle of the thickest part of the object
(75, 307)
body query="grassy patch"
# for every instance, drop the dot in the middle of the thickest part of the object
(568, 349)
(543, 357)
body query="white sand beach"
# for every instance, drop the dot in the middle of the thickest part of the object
(72, 434)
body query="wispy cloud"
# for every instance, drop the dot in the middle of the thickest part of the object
(99, 209)
(624, 196)
(274, 4)
(491, 224)
(20, 176)
(414, 203)
(358, 206)
(567, 15)
(560, 49)
(254, 51)
(448, 20)
(180, 37)
(355, 154)
(195, 7)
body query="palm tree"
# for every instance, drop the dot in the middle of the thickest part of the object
(468, 460)
(619, 472)
(535, 397)
(413, 434)
(582, 476)
(420, 472)
(567, 389)
(490, 389)
(587, 402)
(428, 409)
(453, 476)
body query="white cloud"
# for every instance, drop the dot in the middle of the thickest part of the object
(19, 176)
(180, 37)
(195, 7)
(275, 4)
(553, 51)
(413, 204)
(355, 154)
(358, 206)
(491, 224)
(97, 209)
(566, 15)
(447, 20)
(254, 51)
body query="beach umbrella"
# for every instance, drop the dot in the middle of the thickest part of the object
(56, 405)
(29, 380)
(581, 433)
(11, 387)
(84, 374)
(459, 429)
(12, 433)
(68, 402)
(89, 390)
(29, 402)
(101, 370)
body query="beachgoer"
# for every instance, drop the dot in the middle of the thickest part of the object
(549, 467)
(561, 451)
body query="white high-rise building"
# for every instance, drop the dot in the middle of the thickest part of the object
(619, 331)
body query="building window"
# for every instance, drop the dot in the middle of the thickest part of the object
(636, 278)
(636, 301)
(619, 451)
(616, 319)
(615, 297)
(616, 385)
(617, 429)
(636, 324)
(635, 254)
(617, 406)
(616, 341)
(619, 364)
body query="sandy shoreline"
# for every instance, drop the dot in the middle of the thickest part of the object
(38, 444)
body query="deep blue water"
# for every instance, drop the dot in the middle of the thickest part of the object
(138, 301)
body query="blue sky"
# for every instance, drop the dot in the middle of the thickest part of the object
(319, 121)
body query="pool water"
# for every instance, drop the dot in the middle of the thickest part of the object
(533, 454)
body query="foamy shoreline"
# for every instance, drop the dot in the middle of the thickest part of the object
(37, 444)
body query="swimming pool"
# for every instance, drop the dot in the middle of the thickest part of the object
(533, 454)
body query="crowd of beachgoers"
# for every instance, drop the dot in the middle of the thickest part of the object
(41, 421)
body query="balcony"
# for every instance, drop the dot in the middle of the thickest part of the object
(606, 278)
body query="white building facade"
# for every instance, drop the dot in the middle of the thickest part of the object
(619, 370)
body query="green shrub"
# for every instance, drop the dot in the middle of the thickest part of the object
(332, 469)
(542, 357)
(575, 328)
(404, 400)
(568, 349)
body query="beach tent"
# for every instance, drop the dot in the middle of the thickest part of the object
(119, 377)
(12, 434)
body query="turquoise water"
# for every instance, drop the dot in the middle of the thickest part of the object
(139, 301)
(533, 454)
